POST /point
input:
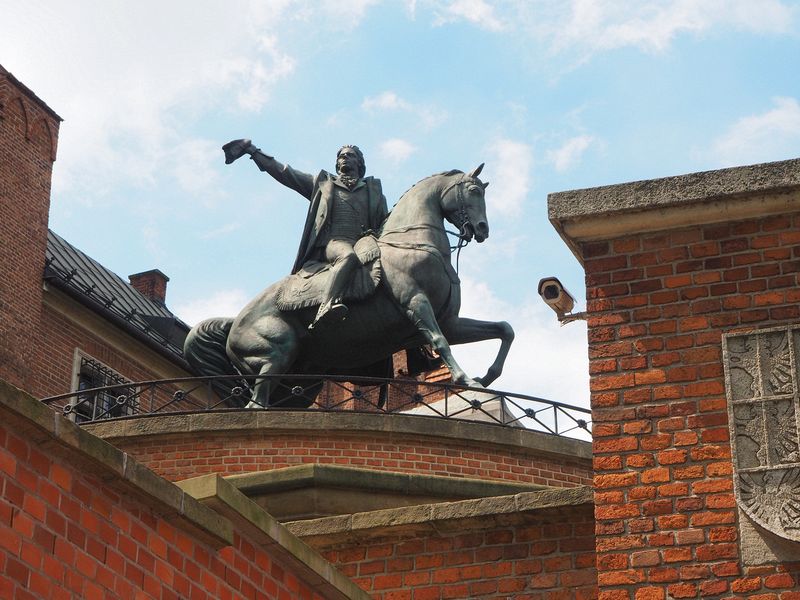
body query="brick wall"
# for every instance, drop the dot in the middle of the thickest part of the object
(178, 457)
(28, 134)
(68, 533)
(658, 304)
(548, 557)
(55, 357)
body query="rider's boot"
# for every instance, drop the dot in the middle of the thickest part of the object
(332, 309)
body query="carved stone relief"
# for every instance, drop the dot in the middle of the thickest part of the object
(762, 380)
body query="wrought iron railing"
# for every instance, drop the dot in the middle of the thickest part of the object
(327, 393)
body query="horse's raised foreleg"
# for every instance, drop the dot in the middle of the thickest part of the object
(421, 313)
(459, 330)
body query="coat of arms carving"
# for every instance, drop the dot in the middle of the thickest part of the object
(761, 382)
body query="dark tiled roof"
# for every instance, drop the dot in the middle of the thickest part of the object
(113, 298)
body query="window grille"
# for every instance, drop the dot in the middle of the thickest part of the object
(102, 404)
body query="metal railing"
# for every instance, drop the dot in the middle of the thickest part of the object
(326, 393)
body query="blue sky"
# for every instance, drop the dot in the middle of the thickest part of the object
(550, 95)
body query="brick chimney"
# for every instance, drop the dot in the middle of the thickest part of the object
(152, 284)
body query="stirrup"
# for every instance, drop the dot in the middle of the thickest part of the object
(329, 313)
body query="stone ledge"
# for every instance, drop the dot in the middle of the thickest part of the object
(314, 491)
(46, 428)
(441, 517)
(223, 497)
(671, 202)
(258, 421)
(302, 476)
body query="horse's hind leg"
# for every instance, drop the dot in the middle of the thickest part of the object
(267, 347)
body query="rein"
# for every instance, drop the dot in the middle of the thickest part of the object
(463, 217)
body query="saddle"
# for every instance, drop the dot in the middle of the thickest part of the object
(306, 288)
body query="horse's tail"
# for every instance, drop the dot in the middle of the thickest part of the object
(205, 351)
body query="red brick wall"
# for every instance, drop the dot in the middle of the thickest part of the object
(28, 136)
(179, 457)
(551, 557)
(658, 304)
(55, 360)
(65, 533)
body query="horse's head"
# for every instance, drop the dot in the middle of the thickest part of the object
(464, 205)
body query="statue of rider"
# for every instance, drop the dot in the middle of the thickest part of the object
(344, 207)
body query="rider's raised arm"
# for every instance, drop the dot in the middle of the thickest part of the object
(302, 183)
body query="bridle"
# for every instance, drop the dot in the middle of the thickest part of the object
(462, 216)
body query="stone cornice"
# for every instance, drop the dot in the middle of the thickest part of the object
(723, 195)
(393, 424)
(441, 517)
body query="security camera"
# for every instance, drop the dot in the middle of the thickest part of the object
(559, 299)
(555, 296)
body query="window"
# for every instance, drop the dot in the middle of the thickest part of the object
(117, 401)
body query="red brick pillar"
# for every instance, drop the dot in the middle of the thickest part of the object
(28, 138)
(672, 265)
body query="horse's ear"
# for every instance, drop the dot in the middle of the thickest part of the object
(485, 185)
(477, 170)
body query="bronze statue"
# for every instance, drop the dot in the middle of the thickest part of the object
(405, 295)
(344, 208)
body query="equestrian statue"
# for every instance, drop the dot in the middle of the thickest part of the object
(366, 283)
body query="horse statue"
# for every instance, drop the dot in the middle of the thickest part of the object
(416, 302)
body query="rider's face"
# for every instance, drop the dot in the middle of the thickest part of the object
(347, 162)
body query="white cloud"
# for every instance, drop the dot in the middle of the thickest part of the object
(589, 26)
(385, 101)
(428, 116)
(396, 150)
(194, 163)
(478, 12)
(545, 360)
(772, 135)
(227, 303)
(130, 100)
(607, 24)
(219, 232)
(508, 168)
(340, 14)
(585, 27)
(252, 79)
(570, 152)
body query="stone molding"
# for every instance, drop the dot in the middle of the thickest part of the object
(256, 421)
(307, 475)
(481, 513)
(722, 195)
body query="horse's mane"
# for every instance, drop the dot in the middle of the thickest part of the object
(442, 174)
